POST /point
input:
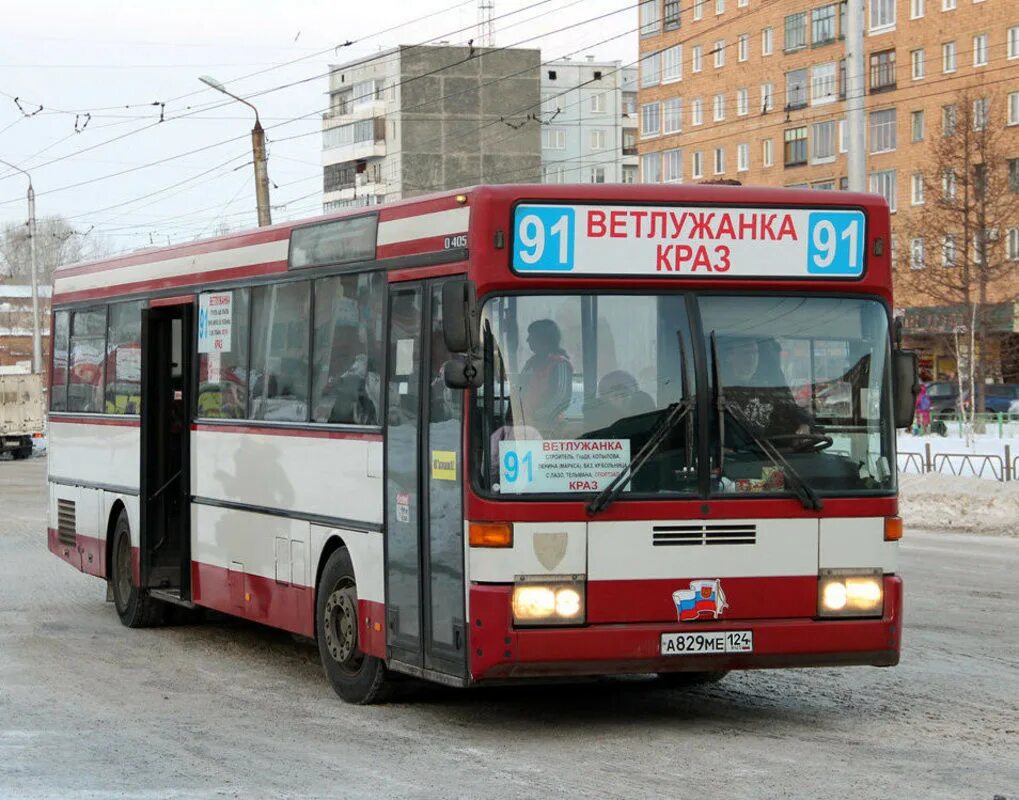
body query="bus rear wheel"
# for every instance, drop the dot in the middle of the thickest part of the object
(356, 677)
(134, 607)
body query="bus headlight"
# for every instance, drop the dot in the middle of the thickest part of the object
(548, 600)
(850, 593)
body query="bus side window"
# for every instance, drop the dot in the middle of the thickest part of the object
(223, 375)
(278, 381)
(347, 349)
(85, 384)
(123, 359)
(58, 390)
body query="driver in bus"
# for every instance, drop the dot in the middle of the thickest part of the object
(753, 382)
(546, 381)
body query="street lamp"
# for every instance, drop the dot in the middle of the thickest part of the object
(36, 337)
(257, 151)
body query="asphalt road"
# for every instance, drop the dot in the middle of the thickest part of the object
(90, 709)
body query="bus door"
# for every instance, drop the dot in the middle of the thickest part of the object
(424, 490)
(165, 538)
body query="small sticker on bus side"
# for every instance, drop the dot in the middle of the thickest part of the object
(443, 465)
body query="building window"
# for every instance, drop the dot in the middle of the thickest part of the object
(719, 106)
(698, 9)
(554, 139)
(719, 160)
(916, 260)
(553, 173)
(882, 15)
(916, 189)
(767, 44)
(822, 25)
(948, 57)
(651, 70)
(698, 164)
(719, 51)
(843, 144)
(673, 64)
(697, 112)
(719, 7)
(597, 140)
(980, 181)
(629, 104)
(671, 14)
(916, 9)
(948, 5)
(824, 142)
(1013, 42)
(822, 84)
(824, 186)
(1013, 244)
(598, 104)
(695, 58)
(743, 47)
(796, 89)
(980, 111)
(742, 102)
(795, 146)
(1013, 108)
(882, 71)
(916, 60)
(651, 123)
(882, 131)
(651, 168)
(795, 31)
(948, 250)
(916, 126)
(650, 21)
(629, 173)
(948, 116)
(742, 3)
(883, 183)
(1013, 175)
(980, 50)
(767, 155)
(673, 166)
(596, 175)
(948, 186)
(742, 157)
(673, 115)
(842, 79)
(767, 97)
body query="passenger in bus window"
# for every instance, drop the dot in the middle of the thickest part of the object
(546, 381)
(619, 397)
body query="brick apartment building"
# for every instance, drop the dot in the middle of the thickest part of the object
(754, 90)
(16, 325)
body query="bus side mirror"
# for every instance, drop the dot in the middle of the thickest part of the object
(460, 315)
(462, 373)
(905, 386)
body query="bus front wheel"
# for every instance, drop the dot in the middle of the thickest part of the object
(356, 677)
(135, 608)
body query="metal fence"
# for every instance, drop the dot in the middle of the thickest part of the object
(971, 465)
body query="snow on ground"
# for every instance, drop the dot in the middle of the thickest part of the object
(949, 502)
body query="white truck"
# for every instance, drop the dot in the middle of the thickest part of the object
(22, 413)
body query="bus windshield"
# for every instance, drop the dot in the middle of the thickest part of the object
(577, 385)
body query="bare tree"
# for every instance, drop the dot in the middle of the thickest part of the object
(57, 243)
(956, 249)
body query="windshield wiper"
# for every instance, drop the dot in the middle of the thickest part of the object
(808, 497)
(675, 413)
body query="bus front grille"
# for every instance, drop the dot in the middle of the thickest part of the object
(702, 534)
(65, 522)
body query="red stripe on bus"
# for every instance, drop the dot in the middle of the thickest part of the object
(413, 247)
(88, 554)
(179, 300)
(419, 206)
(96, 420)
(308, 433)
(155, 255)
(171, 282)
(253, 597)
(420, 273)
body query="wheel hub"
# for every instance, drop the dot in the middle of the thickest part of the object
(341, 628)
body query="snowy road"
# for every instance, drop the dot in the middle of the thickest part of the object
(90, 709)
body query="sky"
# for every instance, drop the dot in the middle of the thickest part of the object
(105, 73)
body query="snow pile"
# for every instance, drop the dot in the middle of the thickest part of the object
(959, 504)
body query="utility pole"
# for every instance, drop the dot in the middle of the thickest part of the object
(36, 333)
(855, 95)
(257, 153)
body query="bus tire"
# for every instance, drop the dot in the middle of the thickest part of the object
(134, 607)
(690, 680)
(357, 678)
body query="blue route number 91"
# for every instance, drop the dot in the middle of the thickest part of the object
(543, 238)
(835, 243)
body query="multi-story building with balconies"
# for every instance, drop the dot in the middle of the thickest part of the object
(589, 122)
(420, 119)
(755, 90)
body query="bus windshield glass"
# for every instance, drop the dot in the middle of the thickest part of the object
(576, 385)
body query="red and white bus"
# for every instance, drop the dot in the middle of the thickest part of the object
(511, 432)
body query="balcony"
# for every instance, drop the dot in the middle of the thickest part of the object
(348, 112)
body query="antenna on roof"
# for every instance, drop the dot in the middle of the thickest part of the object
(486, 27)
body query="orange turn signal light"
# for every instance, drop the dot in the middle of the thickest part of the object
(893, 529)
(490, 534)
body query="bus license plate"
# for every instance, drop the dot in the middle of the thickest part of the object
(708, 643)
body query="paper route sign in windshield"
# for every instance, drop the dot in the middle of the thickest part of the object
(688, 241)
(560, 465)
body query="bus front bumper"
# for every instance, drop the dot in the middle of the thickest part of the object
(500, 651)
